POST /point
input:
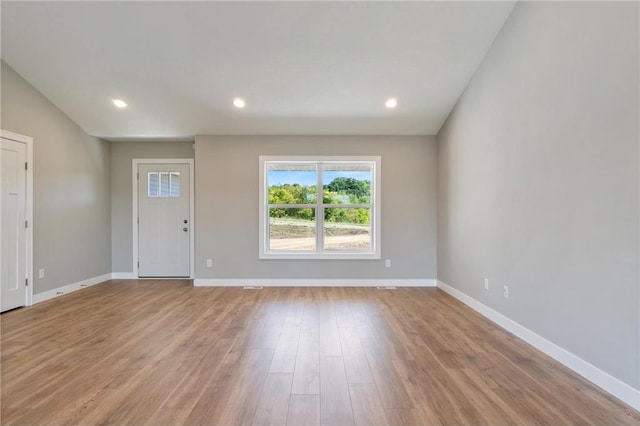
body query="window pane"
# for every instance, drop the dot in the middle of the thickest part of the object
(347, 229)
(174, 186)
(292, 183)
(347, 183)
(152, 184)
(292, 229)
(164, 184)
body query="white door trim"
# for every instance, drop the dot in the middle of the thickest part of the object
(134, 184)
(28, 141)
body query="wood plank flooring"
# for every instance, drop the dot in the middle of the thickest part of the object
(165, 353)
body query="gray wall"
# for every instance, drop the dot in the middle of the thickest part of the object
(227, 206)
(121, 192)
(71, 187)
(538, 180)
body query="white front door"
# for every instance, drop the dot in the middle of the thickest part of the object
(13, 262)
(164, 231)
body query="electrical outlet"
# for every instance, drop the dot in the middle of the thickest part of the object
(387, 263)
(41, 273)
(209, 263)
(486, 283)
(505, 291)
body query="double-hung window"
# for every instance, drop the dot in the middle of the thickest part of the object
(319, 208)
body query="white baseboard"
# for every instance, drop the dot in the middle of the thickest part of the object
(235, 282)
(614, 386)
(123, 276)
(132, 276)
(41, 297)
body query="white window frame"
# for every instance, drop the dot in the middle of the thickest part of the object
(376, 219)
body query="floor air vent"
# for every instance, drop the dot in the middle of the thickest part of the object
(252, 287)
(389, 287)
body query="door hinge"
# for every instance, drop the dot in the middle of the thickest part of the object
(26, 223)
(138, 221)
(26, 282)
(138, 264)
(26, 166)
(138, 175)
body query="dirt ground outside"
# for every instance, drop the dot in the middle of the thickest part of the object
(287, 234)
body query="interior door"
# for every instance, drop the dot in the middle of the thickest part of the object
(164, 231)
(13, 260)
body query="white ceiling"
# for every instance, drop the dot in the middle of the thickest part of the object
(303, 67)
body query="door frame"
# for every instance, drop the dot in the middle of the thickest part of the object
(134, 217)
(28, 141)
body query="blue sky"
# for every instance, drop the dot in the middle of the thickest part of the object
(304, 178)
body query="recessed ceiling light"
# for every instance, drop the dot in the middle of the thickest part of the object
(239, 103)
(391, 103)
(119, 103)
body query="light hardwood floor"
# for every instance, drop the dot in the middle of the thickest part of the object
(166, 353)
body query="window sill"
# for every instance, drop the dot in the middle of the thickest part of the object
(319, 256)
